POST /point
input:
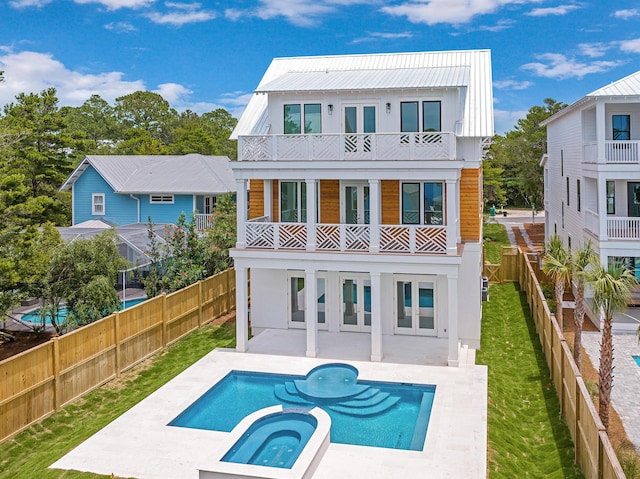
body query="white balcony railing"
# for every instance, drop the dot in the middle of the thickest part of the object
(370, 146)
(348, 237)
(592, 221)
(615, 151)
(204, 221)
(618, 227)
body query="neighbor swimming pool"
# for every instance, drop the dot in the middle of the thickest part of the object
(34, 316)
(636, 359)
(366, 413)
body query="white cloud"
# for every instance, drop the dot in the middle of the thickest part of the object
(32, 72)
(377, 36)
(120, 27)
(560, 67)
(117, 4)
(593, 50)
(512, 84)
(630, 46)
(432, 12)
(559, 10)
(235, 102)
(182, 14)
(626, 14)
(498, 27)
(28, 3)
(174, 93)
(505, 120)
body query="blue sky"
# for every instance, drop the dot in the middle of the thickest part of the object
(212, 54)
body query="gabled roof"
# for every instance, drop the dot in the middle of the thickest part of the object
(465, 68)
(149, 174)
(628, 86)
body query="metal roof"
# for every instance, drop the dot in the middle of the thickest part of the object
(358, 80)
(149, 174)
(478, 101)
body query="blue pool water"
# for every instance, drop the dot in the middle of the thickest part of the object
(275, 440)
(637, 360)
(366, 413)
(34, 316)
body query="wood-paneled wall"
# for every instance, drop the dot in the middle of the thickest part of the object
(390, 199)
(256, 199)
(471, 204)
(330, 201)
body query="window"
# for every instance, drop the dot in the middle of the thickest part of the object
(157, 199)
(97, 204)
(611, 197)
(293, 119)
(431, 116)
(579, 205)
(409, 116)
(569, 242)
(563, 215)
(561, 162)
(568, 193)
(293, 201)
(621, 127)
(631, 263)
(422, 203)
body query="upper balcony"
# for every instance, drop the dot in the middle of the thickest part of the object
(348, 146)
(615, 152)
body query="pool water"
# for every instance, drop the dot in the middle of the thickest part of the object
(637, 359)
(366, 413)
(34, 316)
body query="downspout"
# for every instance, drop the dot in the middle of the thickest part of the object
(138, 200)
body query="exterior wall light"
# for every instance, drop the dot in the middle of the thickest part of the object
(330, 108)
(388, 107)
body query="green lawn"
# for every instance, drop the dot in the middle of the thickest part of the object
(30, 453)
(495, 236)
(527, 436)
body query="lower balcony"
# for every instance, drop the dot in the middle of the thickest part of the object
(347, 237)
(617, 227)
(615, 151)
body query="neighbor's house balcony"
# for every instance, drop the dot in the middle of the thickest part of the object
(431, 239)
(615, 228)
(348, 146)
(203, 222)
(615, 151)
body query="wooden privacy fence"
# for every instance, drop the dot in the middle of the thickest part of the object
(594, 454)
(37, 382)
(507, 270)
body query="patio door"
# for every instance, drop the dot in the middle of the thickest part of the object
(355, 292)
(414, 306)
(355, 208)
(297, 307)
(358, 121)
(633, 195)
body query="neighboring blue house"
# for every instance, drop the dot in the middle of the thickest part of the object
(129, 189)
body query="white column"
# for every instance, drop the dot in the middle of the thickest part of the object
(242, 311)
(311, 312)
(375, 216)
(241, 212)
(311, 214)
(602, 207)
(451, 209)
(452, 313)
(268, 200)
(376, 317)
(601, 130)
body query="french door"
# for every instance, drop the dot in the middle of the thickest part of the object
(633, 195)
(355, 299)
(356, 203)
(414, 306)
(358, 121)
(296, 296)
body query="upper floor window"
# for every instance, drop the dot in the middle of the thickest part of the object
(97, 204)
(579, 195)
(568, 193)
(621, 127)
(422, 203)
(410, 116)
(611, 197)
(157, 199)
(293, 201)
(293, 118)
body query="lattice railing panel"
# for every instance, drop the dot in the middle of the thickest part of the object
(356, 237)
(431, 240)
(395, 239)
(292, 235)
(292, 147)
(328, 237)
(260, 235)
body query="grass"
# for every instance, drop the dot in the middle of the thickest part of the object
(527, 436)
(30, 453)
(495, 236)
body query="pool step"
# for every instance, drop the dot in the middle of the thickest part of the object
(282, 393)
(367, 402)
(387, 403)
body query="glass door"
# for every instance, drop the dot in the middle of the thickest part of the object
(634, 199)
(297, 307)
(355, 294)
(415, 312)
(356, 203)
(358, 121)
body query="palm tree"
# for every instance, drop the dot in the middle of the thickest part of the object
(582, 258)
(556, 263)
(611, 292)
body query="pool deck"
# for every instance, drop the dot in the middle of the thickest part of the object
(139, 443)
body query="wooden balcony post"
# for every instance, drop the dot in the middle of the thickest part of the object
(311, 214)
(241, 212)
(311, 311)
(452, 212)
(601, 132)
(375, 213)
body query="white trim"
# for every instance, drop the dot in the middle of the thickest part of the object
(161, 199)
(94, 211)
(415, 281)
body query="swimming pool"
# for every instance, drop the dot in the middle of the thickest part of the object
(636, 359)
(366, 413)
(34, 316)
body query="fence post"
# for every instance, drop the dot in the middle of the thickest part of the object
(165, 315)
(228, 293)
(116, 328)
(199, 304)
(56, 374)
